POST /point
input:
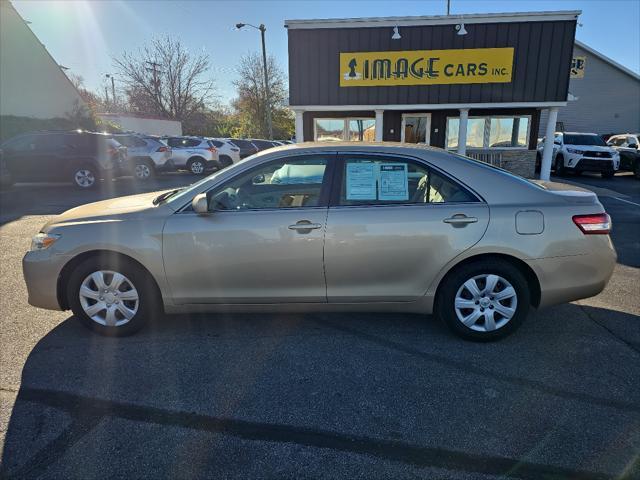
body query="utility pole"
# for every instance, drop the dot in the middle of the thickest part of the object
(267, 92)
(448, 7)
(106, 95)
(153, 67)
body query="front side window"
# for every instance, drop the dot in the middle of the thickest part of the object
(286, 183)
(385, 180)
(490, 132)
(25, 143)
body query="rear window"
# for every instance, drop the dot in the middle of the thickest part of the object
(573, 139)
(130, 141)
(243, 143)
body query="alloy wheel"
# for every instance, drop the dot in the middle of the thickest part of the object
(486, 303)
(142, 171)
(109, 298)
(84, 178)
(197, 167)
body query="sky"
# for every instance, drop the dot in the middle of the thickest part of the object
(85, 35)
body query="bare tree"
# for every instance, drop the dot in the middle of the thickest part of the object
(251, 102)
(165, 79)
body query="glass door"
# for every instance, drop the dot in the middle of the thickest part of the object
(416, 128)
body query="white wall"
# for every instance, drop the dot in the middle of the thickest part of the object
(31, 82)
(150, 126)
(608, 100)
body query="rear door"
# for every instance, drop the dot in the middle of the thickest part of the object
(393, 224)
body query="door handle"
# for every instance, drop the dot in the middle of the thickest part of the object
(460, 219)
(303, 225)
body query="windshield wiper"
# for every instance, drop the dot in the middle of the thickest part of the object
(164, 196)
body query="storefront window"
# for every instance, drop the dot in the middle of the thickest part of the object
(350, 129)
(362, 130)
(329, 129)
(490, 132)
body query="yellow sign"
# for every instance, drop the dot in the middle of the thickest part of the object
(426, 67)
(577, 67)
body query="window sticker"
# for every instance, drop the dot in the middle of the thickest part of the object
(361, 181)
(394, 182)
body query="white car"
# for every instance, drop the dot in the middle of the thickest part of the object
(194, 154)
(228, 152)
(582, 152)
(146, 155)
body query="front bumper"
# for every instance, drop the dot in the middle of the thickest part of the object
(41, 270)
(588, 164)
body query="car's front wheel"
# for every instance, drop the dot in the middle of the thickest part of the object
(484, 300)
(560, 170)
(607, 174)
(112, 296)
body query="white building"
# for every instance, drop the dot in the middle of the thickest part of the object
(32, 84)
(143, 123)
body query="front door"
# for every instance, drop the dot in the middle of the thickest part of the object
(416, 128)
(262, 241)
(393, 224)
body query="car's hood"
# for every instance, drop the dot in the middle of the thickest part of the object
(592, 148)
(113, 209)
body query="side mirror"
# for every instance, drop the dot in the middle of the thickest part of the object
(258, 179)
(200, 204)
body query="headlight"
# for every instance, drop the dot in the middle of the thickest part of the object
(574, 150)
(42, 241)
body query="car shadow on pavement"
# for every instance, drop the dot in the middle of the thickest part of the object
(392, 388)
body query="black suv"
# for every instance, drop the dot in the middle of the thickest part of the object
(76, 156)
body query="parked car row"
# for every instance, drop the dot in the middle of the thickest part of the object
(588, 152)
(84, 158)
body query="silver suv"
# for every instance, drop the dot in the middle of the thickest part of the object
(194, 154)
(146, 155)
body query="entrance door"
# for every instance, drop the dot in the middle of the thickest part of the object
(416, 128)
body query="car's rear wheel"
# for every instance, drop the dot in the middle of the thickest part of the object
(484, 300)
(636, 169)
(143, 170)
(196, 165)
(85, 176)
(560, 170)
(225, 161)
(112, 296)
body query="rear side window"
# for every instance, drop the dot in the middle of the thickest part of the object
(243, 144)
(130, 141)
(216, 143)
(390, 180)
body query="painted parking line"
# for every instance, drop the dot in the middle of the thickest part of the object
(626, 201)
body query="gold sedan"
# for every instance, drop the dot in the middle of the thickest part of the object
(329, 227)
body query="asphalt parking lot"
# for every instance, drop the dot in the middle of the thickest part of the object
(323, 395)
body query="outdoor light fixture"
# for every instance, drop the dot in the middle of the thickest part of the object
(396, 34)
(460, 29)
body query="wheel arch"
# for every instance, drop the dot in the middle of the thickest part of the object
(63, 277)
(532, 278)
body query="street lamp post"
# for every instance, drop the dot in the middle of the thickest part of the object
(263, 29)
(113, 88)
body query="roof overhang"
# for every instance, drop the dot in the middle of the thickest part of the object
(434, 106)
(566, 15)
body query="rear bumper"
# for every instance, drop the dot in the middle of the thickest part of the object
(41, 271)
(565, 279)
(168, 166)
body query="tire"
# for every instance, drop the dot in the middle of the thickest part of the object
(607, 174)
(143, 170)
(136, 282)
(225, 161)
(197, 165)
(454, 294)
(559, 166)
(636, 169)
(85, 176)
(538, 166)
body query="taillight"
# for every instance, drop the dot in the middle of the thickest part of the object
(597, 223)
(212, 149)
(162, 149)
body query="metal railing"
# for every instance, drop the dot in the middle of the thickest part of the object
(491, 157)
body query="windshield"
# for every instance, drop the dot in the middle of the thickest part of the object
(581, 139)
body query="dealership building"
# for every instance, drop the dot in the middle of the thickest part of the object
(476, 84)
